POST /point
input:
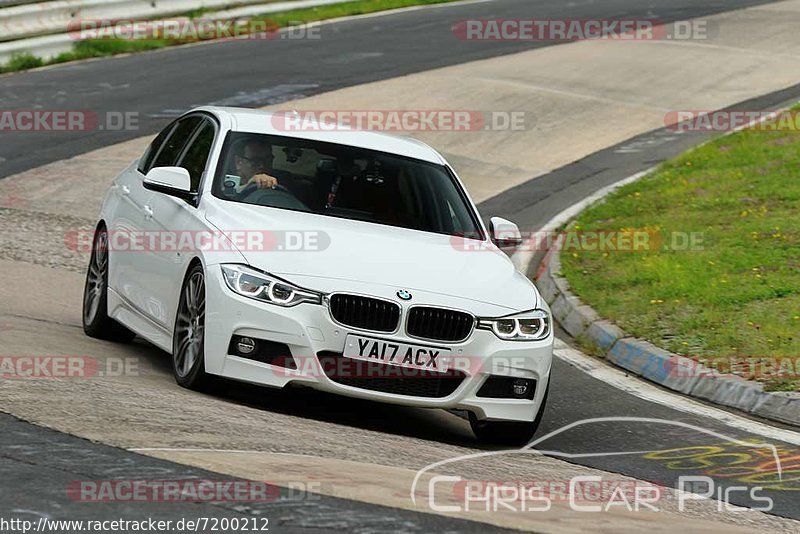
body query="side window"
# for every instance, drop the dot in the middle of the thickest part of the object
(171, 150)
(196, 156)
(146, 161)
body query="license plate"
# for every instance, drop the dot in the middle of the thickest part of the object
(394, 353)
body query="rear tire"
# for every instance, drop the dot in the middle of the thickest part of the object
(188, 354)
(508, 432)
(96, 322)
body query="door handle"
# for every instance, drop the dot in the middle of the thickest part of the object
(148, 212)
(126, 190)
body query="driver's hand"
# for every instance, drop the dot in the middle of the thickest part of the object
(263, 181)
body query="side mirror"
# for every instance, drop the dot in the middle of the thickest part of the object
(173, 181)
(505, 234)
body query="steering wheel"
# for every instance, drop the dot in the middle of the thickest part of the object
(251, 188)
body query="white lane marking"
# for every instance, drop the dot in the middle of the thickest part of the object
(649, 392)
(574, 94)
(650, 141)
(352, 57)
(726, 48)
(269, 96)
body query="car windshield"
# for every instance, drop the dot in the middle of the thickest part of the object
(343, 181)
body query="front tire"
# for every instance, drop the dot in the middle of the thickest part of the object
(96, 322)
(508, 432)
(188, 365)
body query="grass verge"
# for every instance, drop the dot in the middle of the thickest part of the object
(733, 301)
(109, 47)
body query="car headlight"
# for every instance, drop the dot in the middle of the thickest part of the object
(261, 286)
(528, 326)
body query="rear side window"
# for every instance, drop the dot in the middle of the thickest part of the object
(196, 156)
(170, 151)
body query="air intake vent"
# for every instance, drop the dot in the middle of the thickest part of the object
(376, 376)
(365, 312)
(439, 324)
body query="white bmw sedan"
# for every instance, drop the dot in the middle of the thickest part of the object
(348, 261)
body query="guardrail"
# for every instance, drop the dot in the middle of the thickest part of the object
(46, 18)
(6, 3)
(42, 28)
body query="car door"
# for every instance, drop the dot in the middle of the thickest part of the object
(178, 225)
(136, 283)
(129, 197)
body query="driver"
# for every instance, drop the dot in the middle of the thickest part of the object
(252, 160)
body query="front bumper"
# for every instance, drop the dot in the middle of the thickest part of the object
(309, 331)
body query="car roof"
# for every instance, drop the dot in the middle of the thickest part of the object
(266, 122)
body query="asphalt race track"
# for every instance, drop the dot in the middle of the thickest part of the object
(162, 84)
(43, 463)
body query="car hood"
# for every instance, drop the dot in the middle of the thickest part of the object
(332, 254)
